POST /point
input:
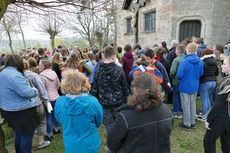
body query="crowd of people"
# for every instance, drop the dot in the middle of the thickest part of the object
(74, 91)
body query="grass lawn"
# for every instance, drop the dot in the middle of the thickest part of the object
(181, 141)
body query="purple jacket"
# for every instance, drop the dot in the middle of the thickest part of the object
(127, 61)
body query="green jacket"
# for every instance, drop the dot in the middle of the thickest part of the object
(174, 67)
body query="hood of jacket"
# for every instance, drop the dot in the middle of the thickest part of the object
(128, 55)
(107, 68)
(209, 60)
(192, 58)
(49, 74)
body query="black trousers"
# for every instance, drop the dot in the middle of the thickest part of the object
(221, 128)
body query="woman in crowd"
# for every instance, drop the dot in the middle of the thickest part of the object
(79, 113)
(218, 120)
(92, 65)
(207, 81)
(35, 81)
(18, 103)
(145, 124)
(73, 62)
(52, 84)
(57, 65)
(33, 66)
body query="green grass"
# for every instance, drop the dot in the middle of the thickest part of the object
(181, 141)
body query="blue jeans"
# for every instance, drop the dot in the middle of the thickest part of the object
(49, 118)
(206, 95)
(23, 144)
(177, 109)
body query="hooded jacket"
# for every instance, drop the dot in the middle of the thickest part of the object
(127, 61)
(189, 73)
(80, 116)
(200, 49)
(109, 85)
(51, 82)
(210, 68)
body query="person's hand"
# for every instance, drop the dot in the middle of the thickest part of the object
(207, 126)
(49, 107)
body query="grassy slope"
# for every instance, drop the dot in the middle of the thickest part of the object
(181, 141)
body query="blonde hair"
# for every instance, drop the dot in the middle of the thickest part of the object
(192, 48)
(73, 61)
(26, 64)
(74, 82)
(55, 58)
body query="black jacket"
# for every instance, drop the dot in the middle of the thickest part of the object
(147, 131)
(109, 85)
(171, 56)
(210, 69)
(56, 69)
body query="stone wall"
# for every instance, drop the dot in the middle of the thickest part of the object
(213, 14)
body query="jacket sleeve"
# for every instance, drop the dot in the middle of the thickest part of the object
(58, 84)
(95, 87)
(41, 89)
(173, 68)
(180, 71)
(124, 86)
(98, 113)
(118, 133)
(22, 87)
(57, 70)
(201, 68)
(86, 69)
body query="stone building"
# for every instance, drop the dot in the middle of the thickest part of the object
(165, 20)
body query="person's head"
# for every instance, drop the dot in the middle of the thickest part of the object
(33, 66)
(219, 47)
(128, 48)
(15, 61)
(191, 48)
(135, 54)
(41, 52)
(186, 41)
(91, 57)
(73, 61)
(180, 49)
(174, 43)
(163, 44)
(109, 53)
(149, 53)
(207, 51)
(74, 83)
(217, 55)
(3, 55)
(95, 51)
(26, 64)
(226, 65)
(155, 45)
(142, 61)
(160, 51)
(228, 45)
(137, 47)
(147, 92)
(59, 47)
(119, 49)
(64, 52)
(199, 41)
(57, 58)
(44, 64)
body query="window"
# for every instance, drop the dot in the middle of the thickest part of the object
(150, 21)
(129, 27)
(189, 29)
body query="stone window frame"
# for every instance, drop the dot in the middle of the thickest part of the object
(147, 12)
(191, 18)
(127, 32)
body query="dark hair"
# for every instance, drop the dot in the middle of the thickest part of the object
(128, 48)
(220, 48)
(149, 53)
(159, 51)
(64, 52)
(15, 61)
(199, 41)
(163, 43)
(137, 46)
(109, 52)
(41, 51)
(119, 49)
(59, 46)
(142, 61)
(180, 49)
(95, 51)
(148, 92)
(207, 51)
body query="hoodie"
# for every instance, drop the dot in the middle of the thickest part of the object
(127, 61)
(70, 110)
(189, 72)
(210, 68)
(109, 85)
(51, 82)
(201, 49)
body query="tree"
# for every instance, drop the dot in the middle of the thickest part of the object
(53, 26)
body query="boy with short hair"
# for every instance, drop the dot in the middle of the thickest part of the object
(189, 73)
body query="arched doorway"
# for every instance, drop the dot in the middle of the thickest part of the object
(189, 28)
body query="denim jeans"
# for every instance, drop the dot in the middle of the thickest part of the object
(188, 102)
(23, 144)
(49, 118)
(206, 95)
(177, 109)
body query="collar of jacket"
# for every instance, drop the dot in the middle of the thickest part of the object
(207, 56)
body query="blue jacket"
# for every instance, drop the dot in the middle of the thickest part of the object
(15, 92)
(189, 72)
(80, 116)
(92, 68)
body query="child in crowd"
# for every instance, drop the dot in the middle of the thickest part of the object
(189, 73)
(177, 109)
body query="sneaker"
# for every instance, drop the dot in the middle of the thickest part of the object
(187, 128)
(179, 116)
(193, 126)
(44, 144)
(49, 138)
(56, 131)
(174, 116)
